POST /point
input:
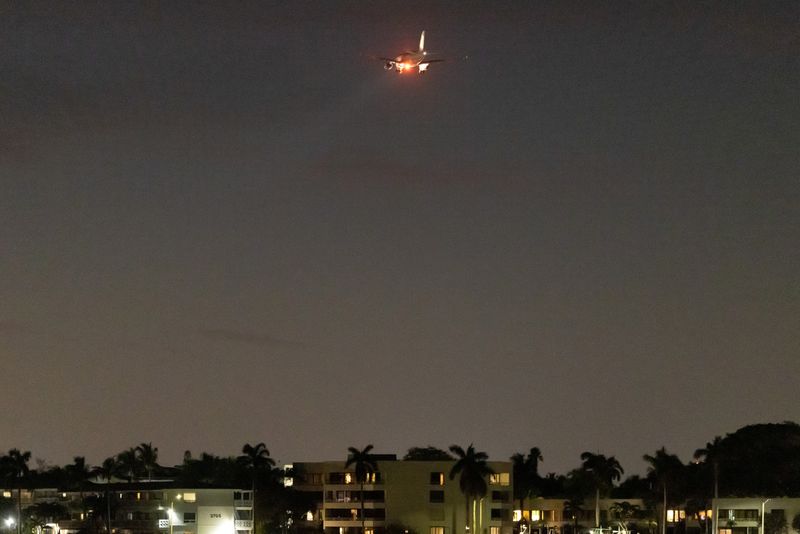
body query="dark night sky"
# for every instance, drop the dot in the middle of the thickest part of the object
(225, 224)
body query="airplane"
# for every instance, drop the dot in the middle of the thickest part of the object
(411, 59)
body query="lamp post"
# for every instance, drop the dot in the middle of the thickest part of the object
(762, 514)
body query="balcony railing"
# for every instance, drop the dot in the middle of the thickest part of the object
(243, 524)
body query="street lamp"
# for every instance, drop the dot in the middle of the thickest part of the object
(762, 514)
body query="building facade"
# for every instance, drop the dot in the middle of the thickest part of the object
(756, 515)
(553, 516)
(143, 508)
(413, 496)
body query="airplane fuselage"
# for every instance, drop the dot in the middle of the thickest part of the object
(411, 59)
(408, 60)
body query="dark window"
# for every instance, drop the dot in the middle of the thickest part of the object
(237, 495)
(437, 478)
(375, 513)
(373, 496)
(436, 496)
(500, 514)
(189, 517)
(500, 496)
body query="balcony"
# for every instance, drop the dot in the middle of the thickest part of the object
(345, 522)
(243, 524)
(71, 524)
(241, 503)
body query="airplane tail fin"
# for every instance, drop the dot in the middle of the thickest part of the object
(422, 41)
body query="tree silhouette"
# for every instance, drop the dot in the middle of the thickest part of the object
(526, 474)
(427, 454)
(364, 464)
(602, 471)
(107, 470)
(148, 458)
(15, 465)
(573, 509)
(256, 459)
(472, 468)
(665, 468)
(712, 453)
(128, 463)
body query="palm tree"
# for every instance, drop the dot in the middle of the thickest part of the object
(364, 464)
(472, 468)
(255, 458)
(526, 474)
(16, 467)
(712, 453)
(664, 469)
(128, 463)
(77, 473)
(107, 470)
(573, 509)
(148, 458)
(624, 511)
(602, 471)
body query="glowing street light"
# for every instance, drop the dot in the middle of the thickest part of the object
(10, 522)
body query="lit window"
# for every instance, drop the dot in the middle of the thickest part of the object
(369, 531)
(348, 478)
(309, 516)
(138, 496)
(190, 496)
(437, 530)
(494, 530)
(517, 515)
(437, 478)
(536, 515)
(7, 494)
(725, 531)
(499, 479)
(673, 516)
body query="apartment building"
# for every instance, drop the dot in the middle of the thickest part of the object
(550, 516)
(147, 508)
(755, 515)
(413, 496)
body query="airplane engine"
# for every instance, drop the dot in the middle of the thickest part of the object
(388, 65)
